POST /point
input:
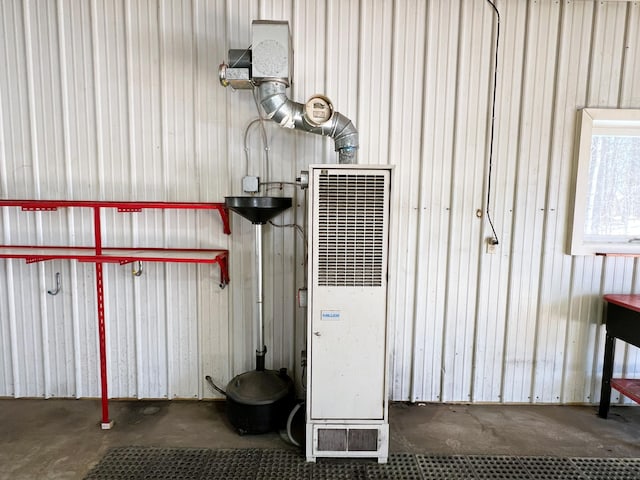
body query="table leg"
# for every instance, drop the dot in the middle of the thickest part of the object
(607, 373)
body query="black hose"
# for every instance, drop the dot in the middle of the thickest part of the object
(290, 422)
(214, 386)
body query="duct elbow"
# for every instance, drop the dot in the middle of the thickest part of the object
(346, 139)
(289, 114)
(277, 106)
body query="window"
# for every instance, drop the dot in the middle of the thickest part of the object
(606, 214)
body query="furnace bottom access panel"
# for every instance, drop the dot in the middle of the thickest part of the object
(347, 384)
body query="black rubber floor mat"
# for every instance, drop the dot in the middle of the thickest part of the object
(147, 463)
(132, 463)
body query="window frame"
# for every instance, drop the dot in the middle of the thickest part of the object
(596, 121)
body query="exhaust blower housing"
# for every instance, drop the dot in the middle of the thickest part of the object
(267, 67)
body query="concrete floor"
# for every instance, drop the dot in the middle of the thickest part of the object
(61, 439)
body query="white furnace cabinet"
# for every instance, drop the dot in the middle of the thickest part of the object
(347, 346)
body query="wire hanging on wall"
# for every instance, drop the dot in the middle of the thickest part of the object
(494, 240)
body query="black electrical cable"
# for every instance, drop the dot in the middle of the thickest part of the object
(214, 386)
(493, 120)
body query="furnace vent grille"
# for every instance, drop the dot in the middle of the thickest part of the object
(351, 210)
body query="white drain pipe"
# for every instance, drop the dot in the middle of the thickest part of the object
(289, 114)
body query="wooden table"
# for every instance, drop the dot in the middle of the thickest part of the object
(623, 321)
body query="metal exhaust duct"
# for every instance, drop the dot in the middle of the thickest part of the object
(289, 114)
(267, 68)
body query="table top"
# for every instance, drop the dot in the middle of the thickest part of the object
(632, 302)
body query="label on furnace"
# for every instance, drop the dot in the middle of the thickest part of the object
(332, 315)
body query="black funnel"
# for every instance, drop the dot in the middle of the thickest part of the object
(258, 210)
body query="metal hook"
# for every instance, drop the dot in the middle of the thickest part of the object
(138, 272)
(58, 285)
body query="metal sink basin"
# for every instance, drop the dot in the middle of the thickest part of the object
(258, 210)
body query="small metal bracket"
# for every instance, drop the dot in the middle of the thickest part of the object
(224, 215)
(58, 285)
(223, 263)
(138, 272)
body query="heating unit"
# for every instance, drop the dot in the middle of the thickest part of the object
(347, 334)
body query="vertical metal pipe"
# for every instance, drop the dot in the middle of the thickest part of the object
(261, 350)
(97, 232)
(106, 423)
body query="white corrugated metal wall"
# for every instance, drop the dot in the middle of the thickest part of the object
(119, 100)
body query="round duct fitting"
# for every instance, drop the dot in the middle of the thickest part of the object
(318, 110)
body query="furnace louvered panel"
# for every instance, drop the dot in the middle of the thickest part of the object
(351, 229)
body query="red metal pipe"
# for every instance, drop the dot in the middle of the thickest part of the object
(97, 230)
(106, 423)
(105, 204)
(52, 205)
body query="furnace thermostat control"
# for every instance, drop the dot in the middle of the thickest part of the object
(318, 110)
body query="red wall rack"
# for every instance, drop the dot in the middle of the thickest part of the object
(100, 254)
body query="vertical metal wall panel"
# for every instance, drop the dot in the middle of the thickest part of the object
(374, 62)
(526, 236)
(214, 170)
(491, 322)
(82, 287)
(15, 110)
(182, 331)
(120, 101)
(439, 105)
(472, 112)
(556, 336)
(60, 332)
(630, 85)
(310, 28)
(17, 174)
(560, 337)
(110, 69)
(178, 72)
(7, 359)
(342, 54)
(405, 144)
